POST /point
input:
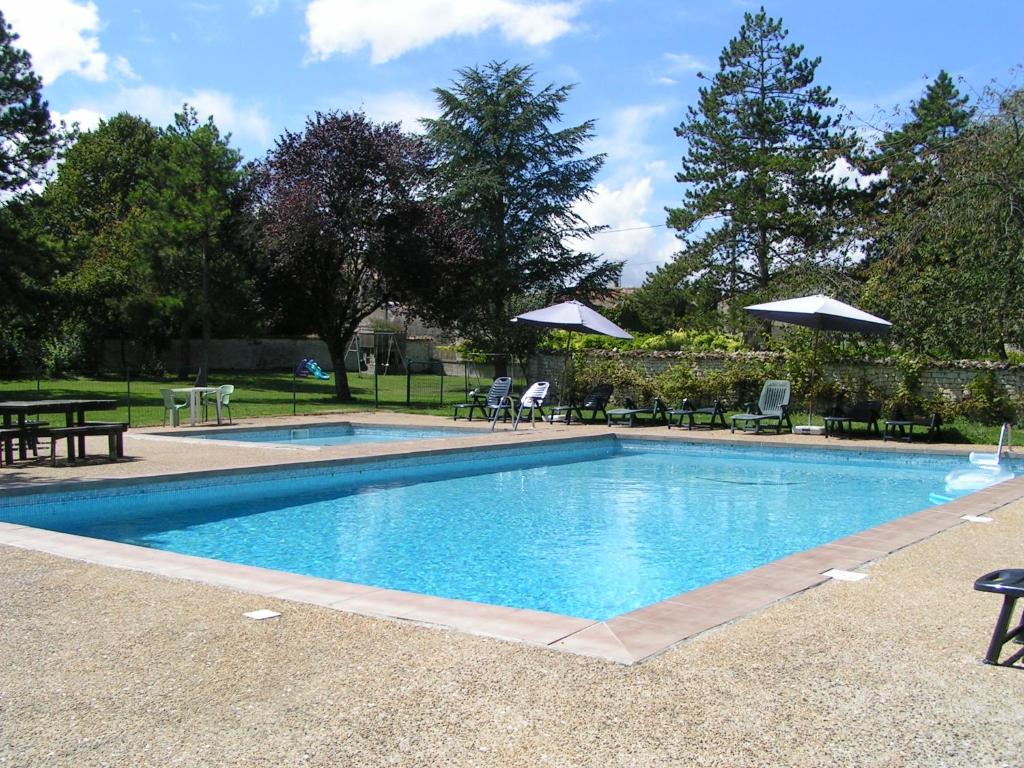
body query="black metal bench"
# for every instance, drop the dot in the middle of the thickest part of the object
(114, 432)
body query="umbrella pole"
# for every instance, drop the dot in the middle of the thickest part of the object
(565, 367)
(814, 374)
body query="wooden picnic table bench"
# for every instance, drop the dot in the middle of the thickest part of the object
(113, 430)
(74, 412)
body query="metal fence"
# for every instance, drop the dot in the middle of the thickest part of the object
(424, 386)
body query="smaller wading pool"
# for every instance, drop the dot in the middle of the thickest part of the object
(334, 434)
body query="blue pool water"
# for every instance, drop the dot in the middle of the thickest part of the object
(590, 529)
(334, 434)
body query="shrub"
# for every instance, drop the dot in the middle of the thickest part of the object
(64, 351)
(628, 380)
(987, 400)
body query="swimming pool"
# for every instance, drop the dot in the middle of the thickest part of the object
(334, 434)
(585, 528)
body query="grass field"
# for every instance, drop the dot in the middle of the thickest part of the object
(268, 394)
(280, 394)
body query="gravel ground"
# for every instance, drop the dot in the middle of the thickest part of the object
(103, 667)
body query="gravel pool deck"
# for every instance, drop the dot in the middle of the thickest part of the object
(109, 667)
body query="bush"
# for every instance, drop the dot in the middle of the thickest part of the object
(670, 341)
(628, 380)
(987, 400)
(64, 351)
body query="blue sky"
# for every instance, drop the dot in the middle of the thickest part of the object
(260, 66)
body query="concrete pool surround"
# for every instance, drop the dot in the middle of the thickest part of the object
(628, 638)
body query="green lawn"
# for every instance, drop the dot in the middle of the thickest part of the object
(266, 394)
(271, 394)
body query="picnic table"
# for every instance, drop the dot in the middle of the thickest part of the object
(74, 414)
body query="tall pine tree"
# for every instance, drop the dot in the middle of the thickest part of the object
(760, 200)
(511, 175)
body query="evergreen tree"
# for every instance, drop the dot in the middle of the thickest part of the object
(194, 201)
(511, 176)
(905, 154)
(760, 201)
(28, 139)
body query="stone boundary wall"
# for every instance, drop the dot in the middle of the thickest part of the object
(947, 380)
(280, 354)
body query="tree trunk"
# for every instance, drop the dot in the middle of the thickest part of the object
(342, 393)
(207, 330)
(500, 366)
(183, 350)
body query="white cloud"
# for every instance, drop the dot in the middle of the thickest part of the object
(158, 105)
(685, 62)
(393, 28)
(124, 69)
(60, 35)
(625, 142)
(634, 236)
(403, 107)
(87, 119)
(263, 7)
(845, 175)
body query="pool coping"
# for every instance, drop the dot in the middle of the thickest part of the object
(628, 638)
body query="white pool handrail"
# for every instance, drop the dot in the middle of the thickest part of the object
(981, 459)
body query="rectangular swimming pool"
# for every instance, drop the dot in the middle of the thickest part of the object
(585, 528)
(334, 434)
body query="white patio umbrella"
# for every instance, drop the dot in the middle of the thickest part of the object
(821, 313)
(574, 317)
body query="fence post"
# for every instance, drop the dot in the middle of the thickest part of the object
(376, 384)
(128, 381)
(442, 385)
(293, 393)
(408, 383)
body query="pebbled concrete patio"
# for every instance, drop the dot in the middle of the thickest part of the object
(105, 666)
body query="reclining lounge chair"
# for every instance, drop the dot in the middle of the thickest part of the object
(595, 400)
(532, 400)
(864, 412)
(905, 427)
(773, 405)
(628, 415)
(497, 397)
(687, 410)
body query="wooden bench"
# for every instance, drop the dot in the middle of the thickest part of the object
(7, 437)
(113, 430)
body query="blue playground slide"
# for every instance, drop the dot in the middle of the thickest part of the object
(309, 367)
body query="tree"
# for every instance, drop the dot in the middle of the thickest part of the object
(343, 219)
(950, 265)
(760, 147)
(511, 176)
(196, 197)
(92, 215)
(28, 140)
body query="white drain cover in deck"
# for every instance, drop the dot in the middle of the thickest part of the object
(261, 614)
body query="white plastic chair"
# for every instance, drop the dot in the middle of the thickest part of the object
(533, 399)
(172, 408)
(223, 396)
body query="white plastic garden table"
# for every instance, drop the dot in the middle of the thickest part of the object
(194, 396)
